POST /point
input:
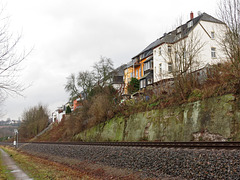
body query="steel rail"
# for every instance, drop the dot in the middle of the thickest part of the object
(212, 145)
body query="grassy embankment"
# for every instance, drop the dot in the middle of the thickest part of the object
(39, 168)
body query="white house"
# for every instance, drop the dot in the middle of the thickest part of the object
(58, 114)
(117, 78)
(204, 29)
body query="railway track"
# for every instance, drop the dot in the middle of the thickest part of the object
(206, 145)
(191, 160)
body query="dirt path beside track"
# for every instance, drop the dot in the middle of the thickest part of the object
(11, 165)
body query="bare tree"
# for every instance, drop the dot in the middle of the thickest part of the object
(10, 61)
(102, 70)
(183, 57)
(71, 86)
(35, 119)
(229, 13)
(85, 80)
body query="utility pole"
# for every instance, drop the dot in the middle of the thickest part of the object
(15, 143)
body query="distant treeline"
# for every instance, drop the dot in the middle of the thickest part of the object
(10, 123)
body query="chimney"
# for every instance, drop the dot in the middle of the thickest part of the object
(191, 15)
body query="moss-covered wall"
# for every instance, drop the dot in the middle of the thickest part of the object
(215, 118)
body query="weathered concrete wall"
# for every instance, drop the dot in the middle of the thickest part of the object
(213, 119)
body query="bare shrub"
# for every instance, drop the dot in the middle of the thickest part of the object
(98, 111)
(229, 13)
(222, 79)
(34, 121)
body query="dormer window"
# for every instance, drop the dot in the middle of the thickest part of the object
(190, 24)
(212, 35)
(179, 36)
(179, 30)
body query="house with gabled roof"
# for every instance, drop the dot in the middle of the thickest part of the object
(206, 28)
(152, 65)
(117, 78)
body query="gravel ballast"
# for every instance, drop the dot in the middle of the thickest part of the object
(151, 162)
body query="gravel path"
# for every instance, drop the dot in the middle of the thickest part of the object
(14, 169)
(152, 162)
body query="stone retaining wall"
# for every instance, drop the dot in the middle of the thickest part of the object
(213, 119)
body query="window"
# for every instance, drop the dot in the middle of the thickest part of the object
(160, 68)
(159, 51)
(169, 67)
(169, 49)
(131, 75)
(190, 24)
(179, 36)
(135, 60)
(179, 30)
(149, 81)
(213, 52)
(148, 65)
(212, 35)
(137, 73)
(144, 82)
(140, 72)
(145, 66)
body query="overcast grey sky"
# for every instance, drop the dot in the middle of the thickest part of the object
(70, 35)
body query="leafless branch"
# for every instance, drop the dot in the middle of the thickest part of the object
(229, 13)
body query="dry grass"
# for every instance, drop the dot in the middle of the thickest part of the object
(39, 168)
(65, 168)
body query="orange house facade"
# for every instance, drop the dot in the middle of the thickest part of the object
(128, 74)
(142, 66)
(77, 103)
(135, 69)
(138, 68)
